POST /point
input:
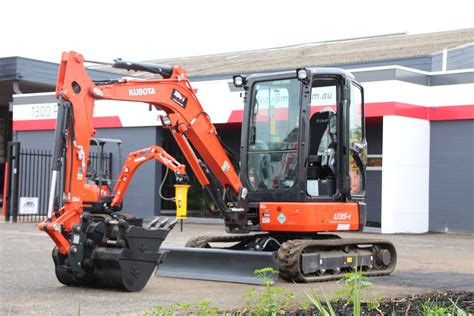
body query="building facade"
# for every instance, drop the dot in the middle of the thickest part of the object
(420, 132)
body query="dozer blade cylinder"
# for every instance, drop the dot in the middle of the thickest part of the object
(216, 264)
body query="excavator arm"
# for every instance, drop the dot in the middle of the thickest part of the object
(135, 160)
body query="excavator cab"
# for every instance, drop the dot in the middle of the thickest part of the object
(303, 156)
(303, 138)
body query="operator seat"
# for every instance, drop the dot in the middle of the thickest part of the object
(322, 151)
(318, 124)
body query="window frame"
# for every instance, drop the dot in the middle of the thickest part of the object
(273, 151)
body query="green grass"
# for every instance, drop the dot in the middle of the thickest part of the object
(201, 308)
(430, 308)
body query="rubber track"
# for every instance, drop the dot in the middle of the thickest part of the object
(290, 252)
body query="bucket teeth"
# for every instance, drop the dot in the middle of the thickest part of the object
(171, 224)
(153, 223)
(161, 224)
(157, 223)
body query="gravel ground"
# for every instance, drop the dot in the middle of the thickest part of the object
(426, 263)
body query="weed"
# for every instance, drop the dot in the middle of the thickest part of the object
(201, 308)
(159, 310)
(434, 309)
(458, 311)
(314, 299)
(272, 300)
(374, 304)
(354, 283)
(304, 305)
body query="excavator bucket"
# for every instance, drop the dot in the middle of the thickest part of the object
(119, 256)
(236, 266)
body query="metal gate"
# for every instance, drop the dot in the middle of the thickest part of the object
(29, 179)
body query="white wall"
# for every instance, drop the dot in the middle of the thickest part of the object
(405, 175)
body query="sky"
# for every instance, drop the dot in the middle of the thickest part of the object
(145, 30)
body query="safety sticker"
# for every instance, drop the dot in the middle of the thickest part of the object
(179, 98)
(281, 218)
(76, 239)
(343, 226)
(225, 166)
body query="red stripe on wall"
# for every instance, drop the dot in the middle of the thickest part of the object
(454, 112)
(380, 109)
(236, 116)
(441, 113)
(36, 125)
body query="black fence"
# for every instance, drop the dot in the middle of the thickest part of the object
(29, 181)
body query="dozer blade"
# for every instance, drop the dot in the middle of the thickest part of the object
(236, 266)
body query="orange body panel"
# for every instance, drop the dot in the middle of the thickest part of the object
(91, 193)
(309, 217)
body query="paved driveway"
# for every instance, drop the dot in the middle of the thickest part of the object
(28, 285)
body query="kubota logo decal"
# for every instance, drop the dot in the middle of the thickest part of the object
(141, 91)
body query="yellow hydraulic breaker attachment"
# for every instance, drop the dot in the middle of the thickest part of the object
(181, 200)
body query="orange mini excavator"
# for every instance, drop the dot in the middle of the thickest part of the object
(302, 173)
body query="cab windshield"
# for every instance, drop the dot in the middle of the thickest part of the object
(273, 135)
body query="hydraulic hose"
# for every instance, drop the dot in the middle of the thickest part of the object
(161, 188)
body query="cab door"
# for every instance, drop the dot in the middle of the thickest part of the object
(357, 141)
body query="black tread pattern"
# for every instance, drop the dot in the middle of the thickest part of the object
(290, 252)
